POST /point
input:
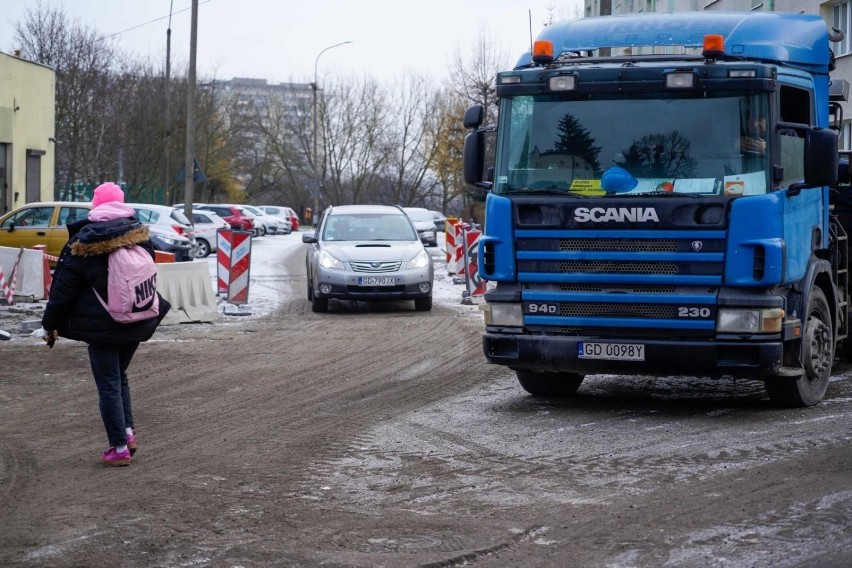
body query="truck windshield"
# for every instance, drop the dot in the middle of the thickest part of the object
(610, 145)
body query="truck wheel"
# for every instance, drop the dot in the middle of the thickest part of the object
(817, 354)
(549, 384)
(319, 305)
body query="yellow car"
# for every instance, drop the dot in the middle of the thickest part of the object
(41, 223)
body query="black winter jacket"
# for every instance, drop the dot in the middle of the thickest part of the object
(72, 307)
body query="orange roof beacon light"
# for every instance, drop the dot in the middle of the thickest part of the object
(714, 46)
(543, 51)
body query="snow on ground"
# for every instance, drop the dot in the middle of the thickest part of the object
(265, 274)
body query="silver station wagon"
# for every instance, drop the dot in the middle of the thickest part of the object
(367, 253)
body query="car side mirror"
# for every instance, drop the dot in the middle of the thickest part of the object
(310, 239)
(11, 226)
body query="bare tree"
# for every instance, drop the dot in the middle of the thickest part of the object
(82, 61)
(411, 150)
(474, 72)
(355, 120)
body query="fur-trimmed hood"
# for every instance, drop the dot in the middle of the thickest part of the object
(103, 238)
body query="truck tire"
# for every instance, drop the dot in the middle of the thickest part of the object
(549, 384)
(817, 355)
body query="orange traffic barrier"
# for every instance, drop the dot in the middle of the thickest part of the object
(48, 278)
(161, 257)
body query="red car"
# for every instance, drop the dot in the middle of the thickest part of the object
(230, 213)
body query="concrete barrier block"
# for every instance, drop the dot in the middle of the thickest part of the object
(187, 287)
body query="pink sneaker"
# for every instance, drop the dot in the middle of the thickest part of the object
(114, 458)
(131, 443)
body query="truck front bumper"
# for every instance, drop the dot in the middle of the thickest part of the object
(662, 357)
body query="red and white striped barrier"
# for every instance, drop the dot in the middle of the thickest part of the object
(238, 285)
(233, 259)
(457, 262)
(9, 290)
(46, 260)
(475, 283)
(450, 241)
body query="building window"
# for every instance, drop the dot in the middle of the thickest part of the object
(840, 20)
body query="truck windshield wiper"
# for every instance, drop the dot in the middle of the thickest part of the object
(544, 190)
(664, 194)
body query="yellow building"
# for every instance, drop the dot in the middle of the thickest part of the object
(27, 127)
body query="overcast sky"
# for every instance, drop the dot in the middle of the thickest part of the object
(279, 40)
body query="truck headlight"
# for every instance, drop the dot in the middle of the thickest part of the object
(502, 315)
(765, 320)
(328, 261)
(419, 261)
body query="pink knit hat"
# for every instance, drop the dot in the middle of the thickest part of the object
(107, 193)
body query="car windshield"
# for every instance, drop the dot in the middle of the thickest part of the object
(610, 145)
(368, 227)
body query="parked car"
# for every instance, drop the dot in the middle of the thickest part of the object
(170, 230)
(283, 213)
(236, 218)
(440, 220)
(424, 222)
(42, 223)
(367, 252)
(205, 226)
(271, 225)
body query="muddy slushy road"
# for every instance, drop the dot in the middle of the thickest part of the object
(379, 436)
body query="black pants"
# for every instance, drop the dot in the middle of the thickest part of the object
(109, 367)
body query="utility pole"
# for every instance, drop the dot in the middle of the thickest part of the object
(167, 195)
(189, 162)
(316, 212)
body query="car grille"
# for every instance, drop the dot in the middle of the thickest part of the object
(375, 266)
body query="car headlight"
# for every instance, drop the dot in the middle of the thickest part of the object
(419, 261)
(168, 241)
(328, 261)
(502, 315)
(766, 320)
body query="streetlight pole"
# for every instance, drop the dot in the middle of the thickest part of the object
(315, 87)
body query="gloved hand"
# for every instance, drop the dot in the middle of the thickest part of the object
(50, 337)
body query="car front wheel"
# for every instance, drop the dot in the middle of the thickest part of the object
(423, 304)
(319, 305)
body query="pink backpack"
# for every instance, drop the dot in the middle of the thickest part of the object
(131, 285)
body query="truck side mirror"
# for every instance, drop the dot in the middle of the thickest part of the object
(474, 116)
(821, 160)
(474, 159)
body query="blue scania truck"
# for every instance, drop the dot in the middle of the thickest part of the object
(664, 197)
